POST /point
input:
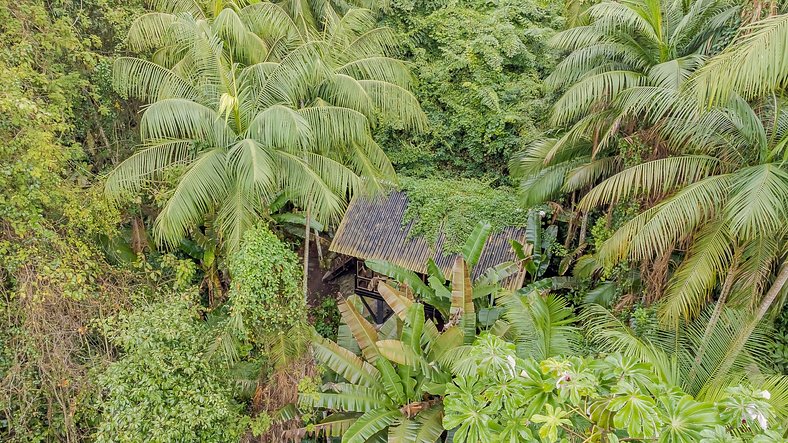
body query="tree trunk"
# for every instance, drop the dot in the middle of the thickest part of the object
(715, 315)
(319, 248)
(768, 299)
(306, 252)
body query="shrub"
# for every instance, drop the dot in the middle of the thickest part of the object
(497, 396)
(163, 388)
(266, 290)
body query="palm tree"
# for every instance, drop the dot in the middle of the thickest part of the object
(626, 44)
(724, 198)
(728, 192)
(754, 66)
(247, 106)
(716, 187)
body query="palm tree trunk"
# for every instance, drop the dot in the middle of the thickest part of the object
(715, 316)
(306, 251)
(768, 299)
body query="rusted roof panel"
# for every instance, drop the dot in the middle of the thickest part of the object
(372, 229)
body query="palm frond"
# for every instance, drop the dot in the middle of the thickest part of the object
(177, 118)
(612, 335)
(759, 201)
(237, 213)
(150, 31)
(335, 128)
(383, 69)
(691, 284)
(345, 91)
(372, 43)
(655, 230)
(154, 157)
(282, 128)
(579, 97)
(720, 360)
(589, 173)
(396, 103)
(147, 81)
(754, 65)
(200, 188)
(542, 325)
(651, 179)
(191, 7)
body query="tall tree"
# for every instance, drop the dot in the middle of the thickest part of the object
(625, 45)
(247, 105)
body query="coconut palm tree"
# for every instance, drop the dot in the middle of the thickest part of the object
(723, 202)
(247, 113)
(626, 44)
(725, 198)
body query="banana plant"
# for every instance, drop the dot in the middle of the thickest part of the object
(439, 289)
(536, 254)
(392, 391)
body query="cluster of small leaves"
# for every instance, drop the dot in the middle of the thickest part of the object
(480, 66)
(326, 318)
(779, 347)
(265, 295)
(454, 207)
(55, 280)
(497, 396)
(163, 388)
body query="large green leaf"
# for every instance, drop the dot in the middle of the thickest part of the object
(345, 363)
(402, 275)
(462, 308)
(363, 331)
(395, 299)
(392, 383)
(474, 245)
(370, 424)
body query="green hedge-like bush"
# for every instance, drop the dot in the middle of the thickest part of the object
(163, 388)
(266, 290)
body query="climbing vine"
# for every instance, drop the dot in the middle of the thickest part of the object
(454, 207)
(266, 275)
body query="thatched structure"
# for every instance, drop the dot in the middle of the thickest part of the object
(373, 229)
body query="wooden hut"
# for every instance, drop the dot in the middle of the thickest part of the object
(373, 229)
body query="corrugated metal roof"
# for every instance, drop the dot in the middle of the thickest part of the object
(372, 229)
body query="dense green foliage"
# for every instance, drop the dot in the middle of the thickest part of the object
(162, 388)
(58, 122)
(480, 66)
(653, 192)
(265, 295)
(455, 207)
(498, 396)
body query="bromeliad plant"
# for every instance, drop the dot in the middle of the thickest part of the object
(496, 396)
